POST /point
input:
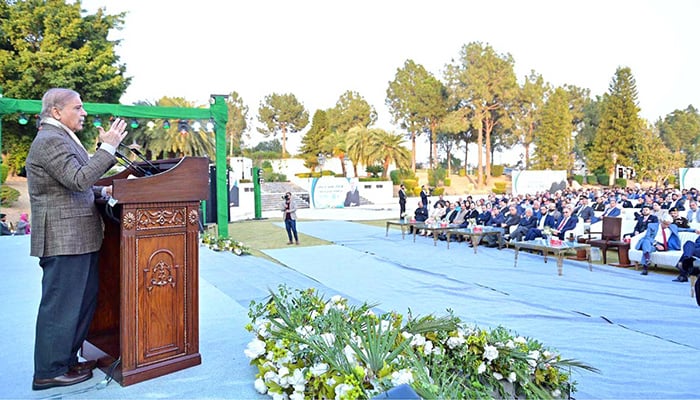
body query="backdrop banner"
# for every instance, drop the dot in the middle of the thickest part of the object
(689, 178)
(525, 182)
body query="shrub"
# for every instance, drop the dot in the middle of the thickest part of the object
(374, 170)
(462, 172)
(603, 179)
(327, 172)
(438, 191)
(621, 182)
(448, 181)
(410, 184)
(370, 179)
(591, 179)
(497, 170)
(416, 191)
(579, 179)
(303, 174)
(269, 176)
(4, 170)
(8, 195)
(435, 176)
(399, 175)
(499, 187)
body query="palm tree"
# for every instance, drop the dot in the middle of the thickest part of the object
(387, 147)
(334, 144)
(358, 141)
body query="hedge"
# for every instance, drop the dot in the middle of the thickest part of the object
(438, 191)
(410, 184)
(8, 195)
(497, 170)
(603, 179)
(4, 170)
(447, 181)
(579, 179)
(591, 179)
(621, 182)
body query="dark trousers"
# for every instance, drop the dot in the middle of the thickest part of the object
(291, 226)
(690, 251)
(68, 300)
(402, 209)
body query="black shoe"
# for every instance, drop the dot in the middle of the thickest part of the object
(681, 278)
(645, 272)
(69, 378)
(694, 271)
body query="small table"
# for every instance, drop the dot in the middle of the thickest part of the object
(435, 229)
(559, 251)
(402, 224)
(475, 234)
(623, 257)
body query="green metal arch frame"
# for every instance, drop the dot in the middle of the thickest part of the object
(217, 111)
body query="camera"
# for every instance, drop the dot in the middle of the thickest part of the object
(285, 197)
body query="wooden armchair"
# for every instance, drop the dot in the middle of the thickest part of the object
(609, 237)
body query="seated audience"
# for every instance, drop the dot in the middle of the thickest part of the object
(658, 237)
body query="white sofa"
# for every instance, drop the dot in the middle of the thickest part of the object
(664, 258)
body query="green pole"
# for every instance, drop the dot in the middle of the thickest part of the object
(220, 113)
(257, 179)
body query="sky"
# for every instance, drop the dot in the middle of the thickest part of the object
(318, 50)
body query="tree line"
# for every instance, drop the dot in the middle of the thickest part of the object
(477, 100)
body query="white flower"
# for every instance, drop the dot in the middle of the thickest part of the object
(297, 395)
(330, 382)
(279, 396)
(520, 340)
(260, 386)
(454, 342)
(313, 314)
(512, 377)
(385, 326)
(418, 340)
(401, 377)
(341, 390)
(336, 299)
(428, 347)
(510, 344)
(237, 251)
(261, 328)
(556, 393)
(319, 369)
(305, 331)
(271, 376)
(497, 376)
(255, 349)
(532, 357)
(350, 354)
(481, 369)
(490, 352)
(329, 338)
(283, 371)
(406, 335)
(297, 380)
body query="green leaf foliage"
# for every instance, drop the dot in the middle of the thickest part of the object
(282, 113)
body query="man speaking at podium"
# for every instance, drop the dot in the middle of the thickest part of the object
(66, 234)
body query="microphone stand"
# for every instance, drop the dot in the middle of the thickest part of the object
(140, 155)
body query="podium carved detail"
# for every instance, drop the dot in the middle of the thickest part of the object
(163, 272)
(156, 219)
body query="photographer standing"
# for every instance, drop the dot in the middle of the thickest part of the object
(289, 214)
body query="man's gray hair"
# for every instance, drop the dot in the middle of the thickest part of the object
(667, 219)
(56, 97)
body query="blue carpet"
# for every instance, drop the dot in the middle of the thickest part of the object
(641, 332)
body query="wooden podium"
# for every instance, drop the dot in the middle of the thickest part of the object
(148, 303)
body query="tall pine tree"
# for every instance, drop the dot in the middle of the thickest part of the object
(619, 126)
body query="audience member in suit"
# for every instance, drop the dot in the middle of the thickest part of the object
(643, 219)
(451, 213)
(421, 214)
(546, 219)
(678, 201)
(527, 221)
(624, 202)
(567, 223)
(691, 251)
(583, 210)
(484, 217)
(4, 226)
(402, 201)
(424, 196)
(693, 212)
(599, 204)
(67, 233)
(512, 219)
(679, 221)
(611, 211)
(661, 236)
(440, 202)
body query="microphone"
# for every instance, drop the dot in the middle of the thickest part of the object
(142, 157)
(128, 162)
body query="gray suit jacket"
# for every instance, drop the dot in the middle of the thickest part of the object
(60, 178)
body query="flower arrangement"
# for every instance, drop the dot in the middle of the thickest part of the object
(220, 244)
(307, 347)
